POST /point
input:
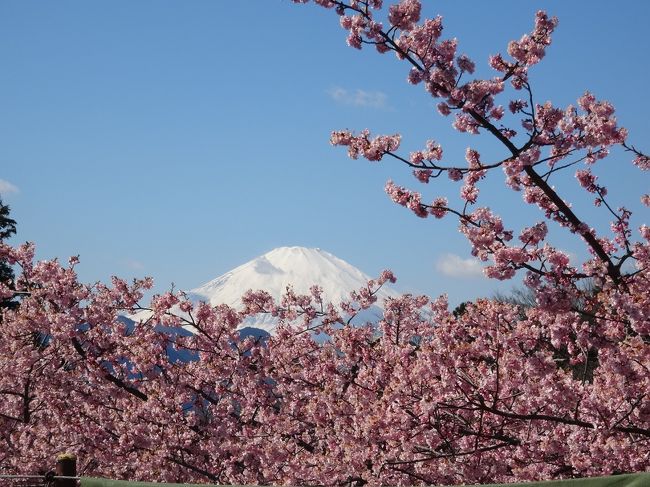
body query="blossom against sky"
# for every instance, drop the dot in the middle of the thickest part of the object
(179, 140)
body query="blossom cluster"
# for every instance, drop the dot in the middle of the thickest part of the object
(373, 150)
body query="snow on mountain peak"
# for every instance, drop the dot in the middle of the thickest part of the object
(298, 267)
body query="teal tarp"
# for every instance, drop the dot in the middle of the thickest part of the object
(628, 480)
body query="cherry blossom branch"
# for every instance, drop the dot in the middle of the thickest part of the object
(561, 420)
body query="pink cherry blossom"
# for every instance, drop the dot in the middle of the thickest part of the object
(489, 392)
(405, 14)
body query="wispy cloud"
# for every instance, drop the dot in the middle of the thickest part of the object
(452, 265)
(7, 188)
(135, 265)
(359, 98)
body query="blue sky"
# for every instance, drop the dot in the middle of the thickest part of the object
(181, 139)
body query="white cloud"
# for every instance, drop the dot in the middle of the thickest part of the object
(7, 188)
(358, 98)
(135, 265)
(452, 265)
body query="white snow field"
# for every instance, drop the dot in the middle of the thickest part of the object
(298, 267)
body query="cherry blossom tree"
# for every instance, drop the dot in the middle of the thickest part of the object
(495, 393)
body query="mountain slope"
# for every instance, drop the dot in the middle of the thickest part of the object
(298, 267)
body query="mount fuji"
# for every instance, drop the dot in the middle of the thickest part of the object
(298, 267)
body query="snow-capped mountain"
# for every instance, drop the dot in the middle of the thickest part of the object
(298, 267)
